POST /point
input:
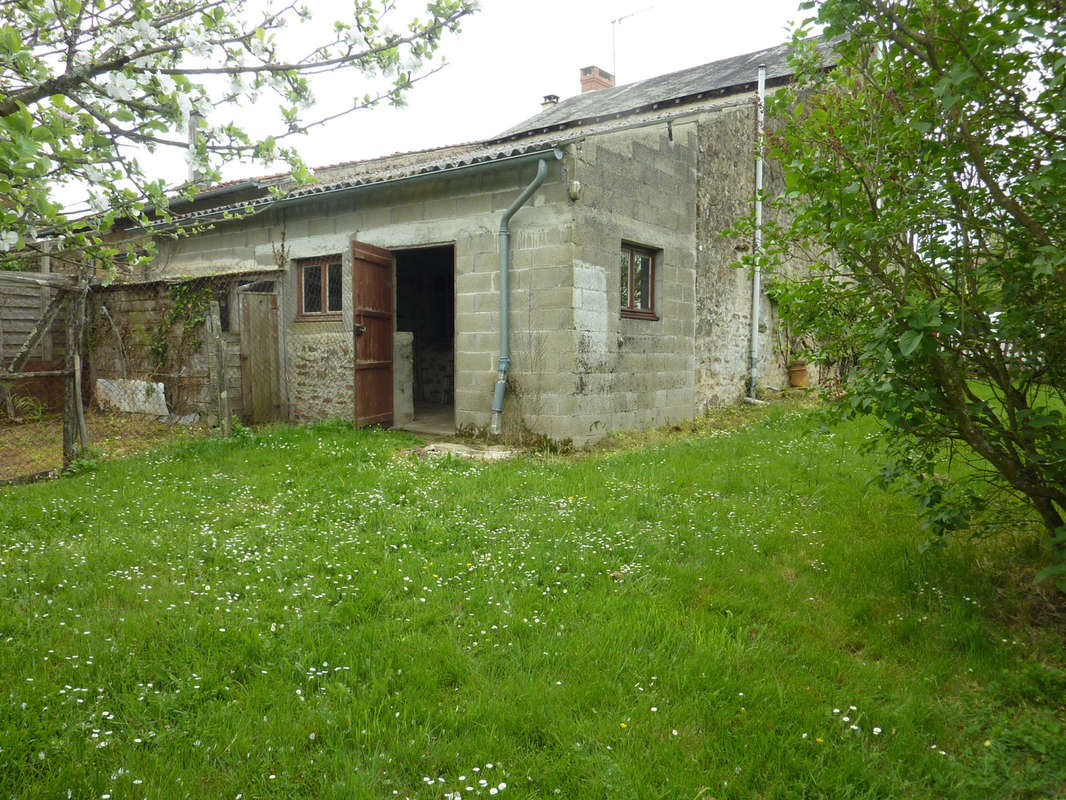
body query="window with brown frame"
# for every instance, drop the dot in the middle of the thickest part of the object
(320, 282)
(637, 275)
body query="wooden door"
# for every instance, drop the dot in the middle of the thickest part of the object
(260, 362)
(372, 318)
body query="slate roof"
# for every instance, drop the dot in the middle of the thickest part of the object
(718, 78)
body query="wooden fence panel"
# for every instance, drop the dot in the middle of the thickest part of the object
(20, 309)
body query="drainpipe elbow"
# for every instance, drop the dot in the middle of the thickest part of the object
(505, 259)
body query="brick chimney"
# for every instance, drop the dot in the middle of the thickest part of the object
(593, 78)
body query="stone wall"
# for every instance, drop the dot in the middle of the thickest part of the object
(726, 190)
(434, 373)
(319, 373)
(120, 345)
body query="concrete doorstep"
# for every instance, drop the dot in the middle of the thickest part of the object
(481, 453)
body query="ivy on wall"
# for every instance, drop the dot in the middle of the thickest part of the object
(185, 306)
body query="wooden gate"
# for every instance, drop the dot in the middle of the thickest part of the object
(372, 317)
(260, 363)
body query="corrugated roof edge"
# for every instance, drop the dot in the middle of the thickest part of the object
(466, 158)
(130, 282)
(279, 177)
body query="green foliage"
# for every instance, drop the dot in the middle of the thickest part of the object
(241, 431)
(926, 179)
(87, 461)
(84, 85)
(187, 307)
(27, 407)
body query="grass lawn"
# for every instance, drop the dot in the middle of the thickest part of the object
(317, 612)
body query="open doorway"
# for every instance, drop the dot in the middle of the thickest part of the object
(425, 306)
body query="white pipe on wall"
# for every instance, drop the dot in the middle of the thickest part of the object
(756, 282)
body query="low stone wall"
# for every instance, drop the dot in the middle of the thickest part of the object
(319, 375)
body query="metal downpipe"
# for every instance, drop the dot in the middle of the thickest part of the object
(756, 281)
(505, 292)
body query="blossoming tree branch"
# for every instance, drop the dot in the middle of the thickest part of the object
(91, 89)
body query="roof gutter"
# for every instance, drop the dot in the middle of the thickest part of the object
(258, 206)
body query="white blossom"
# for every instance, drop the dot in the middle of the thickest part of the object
(146, 31)
(8, 239)
(184, 104)
(166, 83)
(120, 86)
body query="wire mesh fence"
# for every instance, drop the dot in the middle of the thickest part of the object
(112, 370)
(38, 365)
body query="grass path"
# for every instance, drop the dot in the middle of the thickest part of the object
(314, 612)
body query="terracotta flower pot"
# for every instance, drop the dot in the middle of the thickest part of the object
(797, 374)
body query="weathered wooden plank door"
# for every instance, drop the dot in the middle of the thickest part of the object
(260, 361)
(372, 318)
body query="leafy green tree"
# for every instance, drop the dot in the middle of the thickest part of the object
(929, 166)
(86, 85)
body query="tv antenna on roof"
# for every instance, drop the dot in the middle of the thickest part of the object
(614, 26)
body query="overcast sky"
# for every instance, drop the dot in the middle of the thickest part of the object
(506, 58)
(513, 52)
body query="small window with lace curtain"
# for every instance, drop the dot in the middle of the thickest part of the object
(637, 278)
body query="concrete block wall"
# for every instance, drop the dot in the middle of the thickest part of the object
(403, 377)
(637, 187)
(464, 211)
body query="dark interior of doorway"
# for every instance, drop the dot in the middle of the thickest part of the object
(425, 305)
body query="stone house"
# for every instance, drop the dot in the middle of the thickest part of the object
(376, 291)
